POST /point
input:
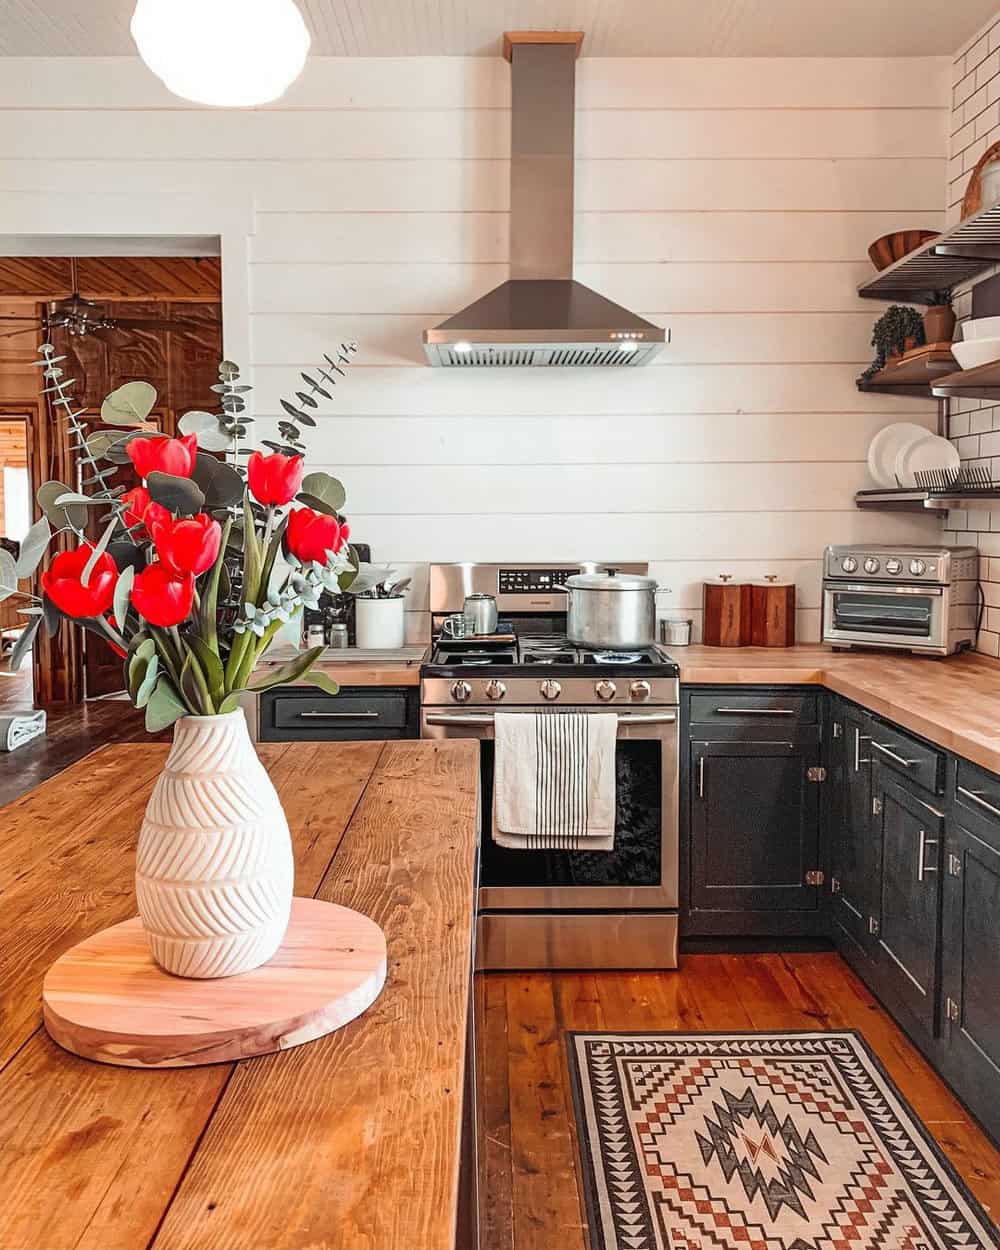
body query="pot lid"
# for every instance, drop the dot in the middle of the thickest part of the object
(610, 579)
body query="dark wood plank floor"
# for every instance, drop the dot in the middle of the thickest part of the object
(530, 1193)
(71, 733)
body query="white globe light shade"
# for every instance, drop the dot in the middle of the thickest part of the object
(230, 53)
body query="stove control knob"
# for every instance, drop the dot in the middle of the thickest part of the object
(640, 690)
(918, 567)
(495, 689)
(894, 566)
(849, 564)
(871, 565)
(461, 692)
(605, 690)
(550, 689)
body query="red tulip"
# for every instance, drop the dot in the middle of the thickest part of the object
(275, 478)
(310, 535)
(141, 510)
(61, 582)
(188, 544)
(161, 597)
(164, 455)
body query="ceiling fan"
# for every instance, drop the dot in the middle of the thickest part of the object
(80, 317)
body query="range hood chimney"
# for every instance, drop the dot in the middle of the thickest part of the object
(541, 316)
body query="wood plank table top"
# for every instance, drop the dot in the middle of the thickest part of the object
(350, 1142)
(953, 701)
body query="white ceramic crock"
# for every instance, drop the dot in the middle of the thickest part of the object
(214, 870)
(380, 624)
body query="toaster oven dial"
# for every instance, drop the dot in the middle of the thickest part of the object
(495, 689)
(871, 565)
(894, 566)
(640, 690)
(849, 564)
(550, 689)
(461, 692)
(605, 690)
(918, 567)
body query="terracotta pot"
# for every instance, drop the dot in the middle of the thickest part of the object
(214, 869)
(939, 323)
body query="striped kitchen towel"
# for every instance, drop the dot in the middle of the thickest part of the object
(554, 781)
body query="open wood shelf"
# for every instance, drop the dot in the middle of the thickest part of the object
(983, 382)
(917, 500)
(951, 258)
(914, 374)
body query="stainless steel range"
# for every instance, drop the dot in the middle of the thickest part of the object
(563, 909)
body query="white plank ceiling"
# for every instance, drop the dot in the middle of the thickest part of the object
(614, 28)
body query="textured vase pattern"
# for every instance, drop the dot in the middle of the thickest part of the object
(214, 870)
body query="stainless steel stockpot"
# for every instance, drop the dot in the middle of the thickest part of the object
(611, 610)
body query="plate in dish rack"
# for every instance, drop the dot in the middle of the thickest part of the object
(886, 446)
(929, 452)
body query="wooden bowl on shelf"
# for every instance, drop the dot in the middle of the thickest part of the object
(892, 247)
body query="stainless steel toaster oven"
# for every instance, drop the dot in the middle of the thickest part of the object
(920, 599)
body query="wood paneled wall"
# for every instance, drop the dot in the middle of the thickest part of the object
(730, 200)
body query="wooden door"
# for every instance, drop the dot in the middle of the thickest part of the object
(908, 840)
(970, 959)
(754, 826)
(851, 850)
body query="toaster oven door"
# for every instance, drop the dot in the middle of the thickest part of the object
(869, 615)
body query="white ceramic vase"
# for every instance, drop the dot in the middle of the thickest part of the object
(380, 623)
(214, 870)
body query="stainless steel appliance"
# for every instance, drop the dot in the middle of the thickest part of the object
(920, 599)
(563, 909)
(611, 609)
(541, 317)
(480, 613)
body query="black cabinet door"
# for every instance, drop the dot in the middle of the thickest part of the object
(851, 849)
(754, 826)
(905, 925)
(971, 960)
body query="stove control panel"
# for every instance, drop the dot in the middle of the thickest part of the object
(532, 581)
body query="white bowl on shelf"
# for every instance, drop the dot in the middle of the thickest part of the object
(981, 328)
(976, 352)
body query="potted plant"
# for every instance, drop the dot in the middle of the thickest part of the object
(185, 584)
(899, 329)
(939, 317)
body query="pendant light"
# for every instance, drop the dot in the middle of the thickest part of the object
(230, 53)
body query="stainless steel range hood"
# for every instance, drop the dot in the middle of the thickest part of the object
(541, 316)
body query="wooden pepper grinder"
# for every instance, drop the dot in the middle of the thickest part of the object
(772, 612)
(727, 613)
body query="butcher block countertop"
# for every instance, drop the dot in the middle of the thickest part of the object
(351, 1142)
(354, 667)
(954, 702)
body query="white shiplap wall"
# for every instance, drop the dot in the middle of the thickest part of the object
(731, 200)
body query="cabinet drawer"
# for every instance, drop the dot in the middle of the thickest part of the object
(378, 710)
(923, 764)
(978, 791)
(771, 709)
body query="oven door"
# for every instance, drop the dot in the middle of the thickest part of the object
(641, 872)
(895, 616)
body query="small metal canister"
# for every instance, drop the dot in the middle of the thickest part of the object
(338, 635)
(674, 633)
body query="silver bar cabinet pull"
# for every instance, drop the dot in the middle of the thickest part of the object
(755, 711)
(924, 842)
(897, 758)
(858, 761)
(976, 798)
(701, 776)
(310, 715)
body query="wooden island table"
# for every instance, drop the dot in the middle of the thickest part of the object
(355, 1141)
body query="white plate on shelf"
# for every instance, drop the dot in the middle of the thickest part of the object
(886, 446)
(929, 452)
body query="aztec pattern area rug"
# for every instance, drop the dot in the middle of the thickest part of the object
(759, 1141)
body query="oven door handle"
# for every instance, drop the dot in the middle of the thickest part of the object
(475, 719)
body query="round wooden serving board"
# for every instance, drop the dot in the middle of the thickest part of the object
(106, 999)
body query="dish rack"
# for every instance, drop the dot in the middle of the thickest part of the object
(937, 490)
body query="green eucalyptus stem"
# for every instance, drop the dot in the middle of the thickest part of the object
(208, 607)
(235, 659)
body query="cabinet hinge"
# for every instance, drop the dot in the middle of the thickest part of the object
(951, 1009)
(817, 773)
(876, 807)
(954, 866)
(838, 729)
(815, 876)
(874, 928)
(834, 885)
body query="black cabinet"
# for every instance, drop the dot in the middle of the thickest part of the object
(305, 714)
(971, 965)
(752, 818)
(849, 804)
(905, 924)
